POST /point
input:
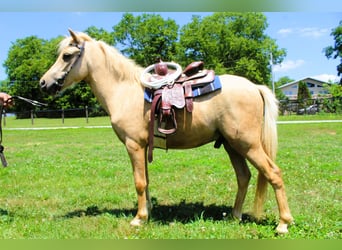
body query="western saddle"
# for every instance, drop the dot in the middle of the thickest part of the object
(177, 93)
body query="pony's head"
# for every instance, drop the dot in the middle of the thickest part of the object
(68, 67)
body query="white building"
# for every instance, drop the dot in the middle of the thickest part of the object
(316, 89)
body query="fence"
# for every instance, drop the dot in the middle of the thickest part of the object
(85, 112)
(310, 106)
(286, 107)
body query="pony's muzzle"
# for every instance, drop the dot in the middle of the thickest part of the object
(50, 88)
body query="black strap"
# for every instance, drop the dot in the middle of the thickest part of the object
(30, 101)
(2, 156)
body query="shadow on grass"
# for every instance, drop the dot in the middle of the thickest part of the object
(3, 212)
(183, 212)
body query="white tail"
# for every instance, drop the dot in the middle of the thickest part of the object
(269, 132)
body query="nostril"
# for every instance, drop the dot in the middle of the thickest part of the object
(42, 83)
(43, 86)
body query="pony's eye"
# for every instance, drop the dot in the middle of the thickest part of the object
(67, 57)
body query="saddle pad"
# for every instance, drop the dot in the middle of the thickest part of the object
(199, 91)
(174, 96)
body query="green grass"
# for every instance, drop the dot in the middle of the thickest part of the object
(319, 116)
(77, 183)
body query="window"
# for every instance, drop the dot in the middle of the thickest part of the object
(310, 85)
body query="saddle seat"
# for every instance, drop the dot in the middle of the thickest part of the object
(177, 94)
(193, 74)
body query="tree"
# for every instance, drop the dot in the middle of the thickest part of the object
(232, 43)
(28, 59)
(336, 50)
(281, 81)
(146, 37)
(335, 104)
(100, 34)
(303, 93)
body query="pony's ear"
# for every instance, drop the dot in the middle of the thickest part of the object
(74, 36)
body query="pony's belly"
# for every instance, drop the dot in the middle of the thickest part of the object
(189, 140)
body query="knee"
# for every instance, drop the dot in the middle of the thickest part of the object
(277, 180)
(277, 171)
(140, 186)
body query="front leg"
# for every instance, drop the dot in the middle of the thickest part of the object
(137, 154)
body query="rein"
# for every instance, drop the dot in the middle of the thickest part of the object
(32, 102)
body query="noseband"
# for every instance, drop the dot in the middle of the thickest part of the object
(60, 82)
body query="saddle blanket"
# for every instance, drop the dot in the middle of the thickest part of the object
(197, 91)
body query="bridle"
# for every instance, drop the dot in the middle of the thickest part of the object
(60, 82)
(32, 102)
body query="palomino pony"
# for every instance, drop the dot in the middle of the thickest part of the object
(242, 113)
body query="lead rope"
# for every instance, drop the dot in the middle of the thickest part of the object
(32, 102)
(2, 156)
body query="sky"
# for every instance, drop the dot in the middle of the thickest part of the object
(302, 34)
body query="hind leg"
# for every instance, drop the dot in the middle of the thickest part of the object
(272, 173)
(243, 176)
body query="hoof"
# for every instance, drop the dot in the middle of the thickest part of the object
(283, 224)
(136, 222)
(237, 215)
(282, 229)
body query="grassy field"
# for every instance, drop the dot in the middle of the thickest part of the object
(77, 184)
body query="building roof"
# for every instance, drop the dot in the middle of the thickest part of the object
(296, 81)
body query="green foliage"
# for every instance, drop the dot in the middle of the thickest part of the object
(78, 96)
(336, 50)
(100, 34)
(147, 37)
(26, 62)
(334, 89)
(232, 43)
(336, 104)
(303, 92)
(281, 81)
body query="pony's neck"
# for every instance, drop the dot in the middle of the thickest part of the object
(113, 77)
(122, 68)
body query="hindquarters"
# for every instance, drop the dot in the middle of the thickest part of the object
(250, 133)
(236, 112)
(247, 115)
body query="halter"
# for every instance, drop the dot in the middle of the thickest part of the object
(33, 102)
(60, 82)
